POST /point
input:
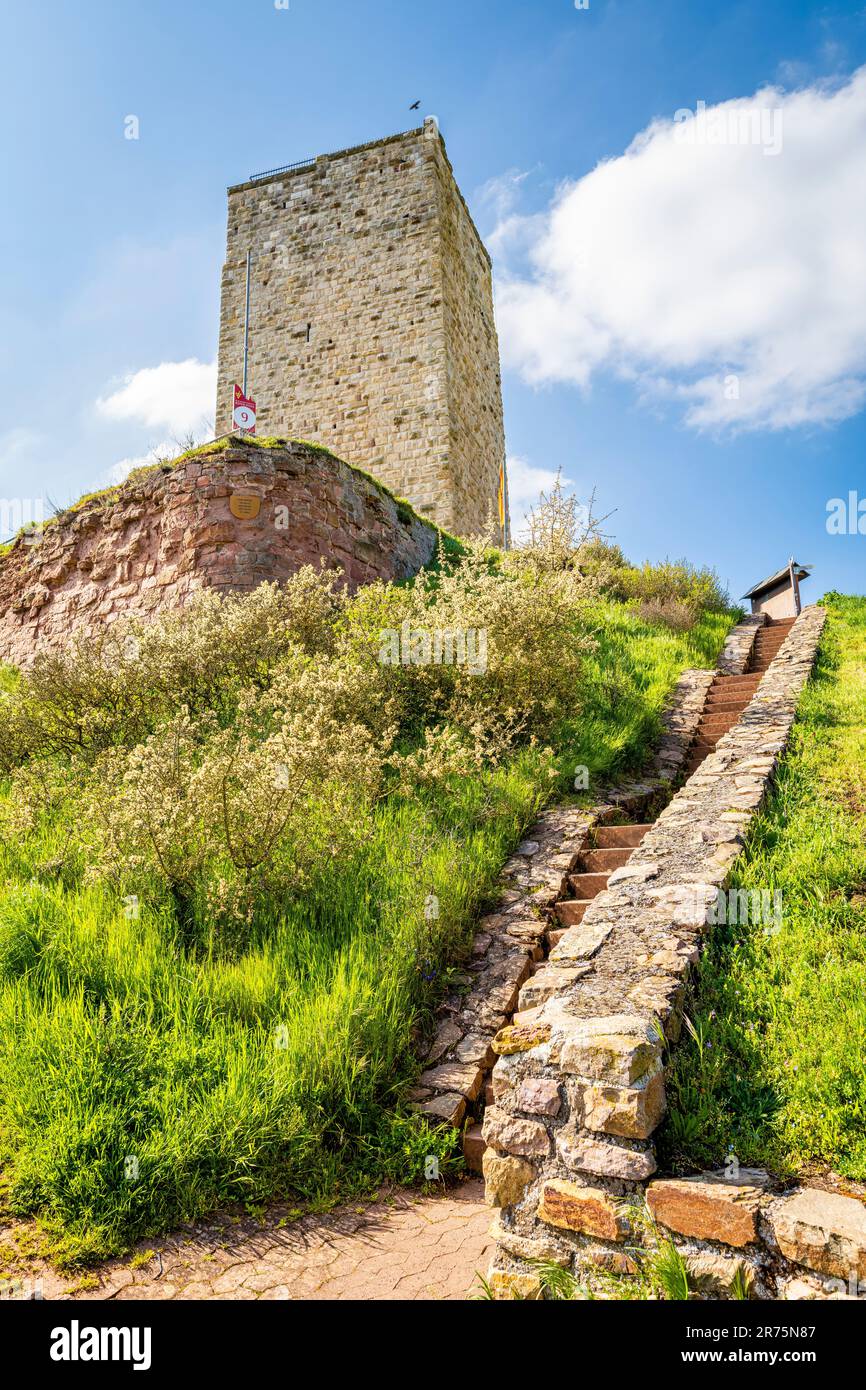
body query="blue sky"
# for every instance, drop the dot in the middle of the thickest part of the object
(110, 248)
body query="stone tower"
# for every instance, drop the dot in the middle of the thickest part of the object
(371, 321)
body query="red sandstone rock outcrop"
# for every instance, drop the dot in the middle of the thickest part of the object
(228, 519)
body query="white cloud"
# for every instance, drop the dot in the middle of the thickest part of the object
(175, 396)
(722, 276)
(525, 486)
(122, 469)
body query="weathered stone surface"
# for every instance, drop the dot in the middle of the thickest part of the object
(584, 1155)
(634, 873)
(539, 1097)
(452, 1076)
(537, 1247)
(802, 1291)
(579, 1207)
(475, 1048)
(611, 1261)
(739, 643)
(631, 1112)
(581, 942)
(520, 1039)
(715, 1274)
(709, 1208)
(447, 1034)
(547, 982)
(507, 1284)
(618, 1058)
(448, 1108)
(528, 848)
(824, 1231)
(505, 1179)
(510, 1135)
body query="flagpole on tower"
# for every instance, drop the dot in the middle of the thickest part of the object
(247, 323)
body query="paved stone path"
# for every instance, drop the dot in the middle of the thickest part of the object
(404, 1246)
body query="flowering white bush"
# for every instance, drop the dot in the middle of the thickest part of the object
(229, 750)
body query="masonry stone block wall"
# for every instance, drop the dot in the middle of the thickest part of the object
(371, 321)
(228, 519)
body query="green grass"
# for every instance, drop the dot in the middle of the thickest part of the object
(281, 1072)
(628, 679)
(776, 1069)
(238, 1080)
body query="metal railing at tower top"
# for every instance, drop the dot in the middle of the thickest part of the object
(350, 149)
(283, 169)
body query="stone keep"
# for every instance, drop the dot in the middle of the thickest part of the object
(371, 322)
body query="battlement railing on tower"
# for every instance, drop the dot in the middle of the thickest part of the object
(283, 169)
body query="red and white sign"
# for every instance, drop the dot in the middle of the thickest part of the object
(244, 413)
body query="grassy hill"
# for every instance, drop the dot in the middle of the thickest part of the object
(217, 837)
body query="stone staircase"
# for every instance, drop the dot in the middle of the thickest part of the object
(610, 847)
(729, 695)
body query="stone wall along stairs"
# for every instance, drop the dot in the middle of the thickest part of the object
(537, 904)
(732, 689)
(513, 941)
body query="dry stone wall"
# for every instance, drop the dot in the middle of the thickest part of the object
(228, 519)
(738, 646)
(578, 1087)
(371, 321)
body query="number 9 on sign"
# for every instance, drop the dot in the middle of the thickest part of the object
(244, 418)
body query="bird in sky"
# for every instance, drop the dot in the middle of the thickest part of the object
(414, 106)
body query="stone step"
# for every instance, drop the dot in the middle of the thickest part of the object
(473, 1148)
(570, 911)
(721, 706)
(618, 836)
(695, 762)
(588, 885)
(735, 689)
(715, 722)
(697, 756)
(554, 936)
(733, 682)
(603, 861)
